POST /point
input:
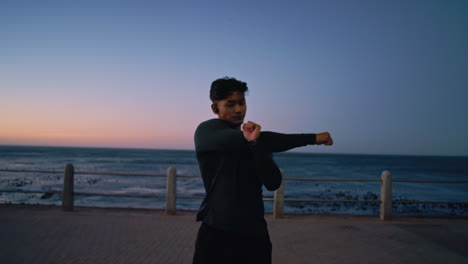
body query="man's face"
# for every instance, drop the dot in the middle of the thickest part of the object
(232, 109)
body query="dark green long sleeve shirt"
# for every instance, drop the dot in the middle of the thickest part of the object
(233, 172)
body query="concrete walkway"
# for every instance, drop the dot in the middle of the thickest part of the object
(42, 234)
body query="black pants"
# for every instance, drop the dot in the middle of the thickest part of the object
(218, 246)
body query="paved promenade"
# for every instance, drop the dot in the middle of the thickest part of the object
(42, 234)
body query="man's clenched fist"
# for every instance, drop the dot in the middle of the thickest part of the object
(323, 139)
(251, 131)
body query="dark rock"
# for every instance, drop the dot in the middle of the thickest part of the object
(47, 195)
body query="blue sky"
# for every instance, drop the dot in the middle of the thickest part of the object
(383, 77)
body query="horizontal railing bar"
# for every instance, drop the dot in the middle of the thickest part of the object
(422, 181)
(120, 195)
(92, 173)
(27, 191)
(39, 171)
(120, 174)
(429, 202)
(187, 176)
(318, 179)
(191, 176)
(190, 197)
(340, 201)
(104, 173)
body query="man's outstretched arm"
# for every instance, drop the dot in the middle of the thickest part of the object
(264, 143)
(278, 142)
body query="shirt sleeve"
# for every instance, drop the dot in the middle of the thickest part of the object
(278, 142)
(266, 168)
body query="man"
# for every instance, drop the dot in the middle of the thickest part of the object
(235, 160)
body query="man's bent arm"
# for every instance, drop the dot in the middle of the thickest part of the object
(266, 168)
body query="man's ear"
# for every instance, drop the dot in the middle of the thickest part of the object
(214, 108)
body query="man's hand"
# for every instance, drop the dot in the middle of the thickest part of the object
(251, 131)
(323, 138)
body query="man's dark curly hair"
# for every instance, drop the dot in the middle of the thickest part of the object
(223, 88)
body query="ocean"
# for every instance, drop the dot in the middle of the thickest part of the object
(293, 164)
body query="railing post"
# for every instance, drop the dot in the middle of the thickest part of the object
(386, 196)
(278, 207)
(67, 192)
(171, 191)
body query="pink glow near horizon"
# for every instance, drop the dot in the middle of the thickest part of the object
(84, 123)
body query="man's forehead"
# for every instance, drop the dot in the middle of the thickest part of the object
(235, 96)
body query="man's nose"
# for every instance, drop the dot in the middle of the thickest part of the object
(238, 109)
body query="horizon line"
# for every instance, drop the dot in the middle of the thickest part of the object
(193, 149)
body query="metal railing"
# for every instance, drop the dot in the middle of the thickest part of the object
(278, 199)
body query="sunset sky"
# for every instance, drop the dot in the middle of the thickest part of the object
(383, 77)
